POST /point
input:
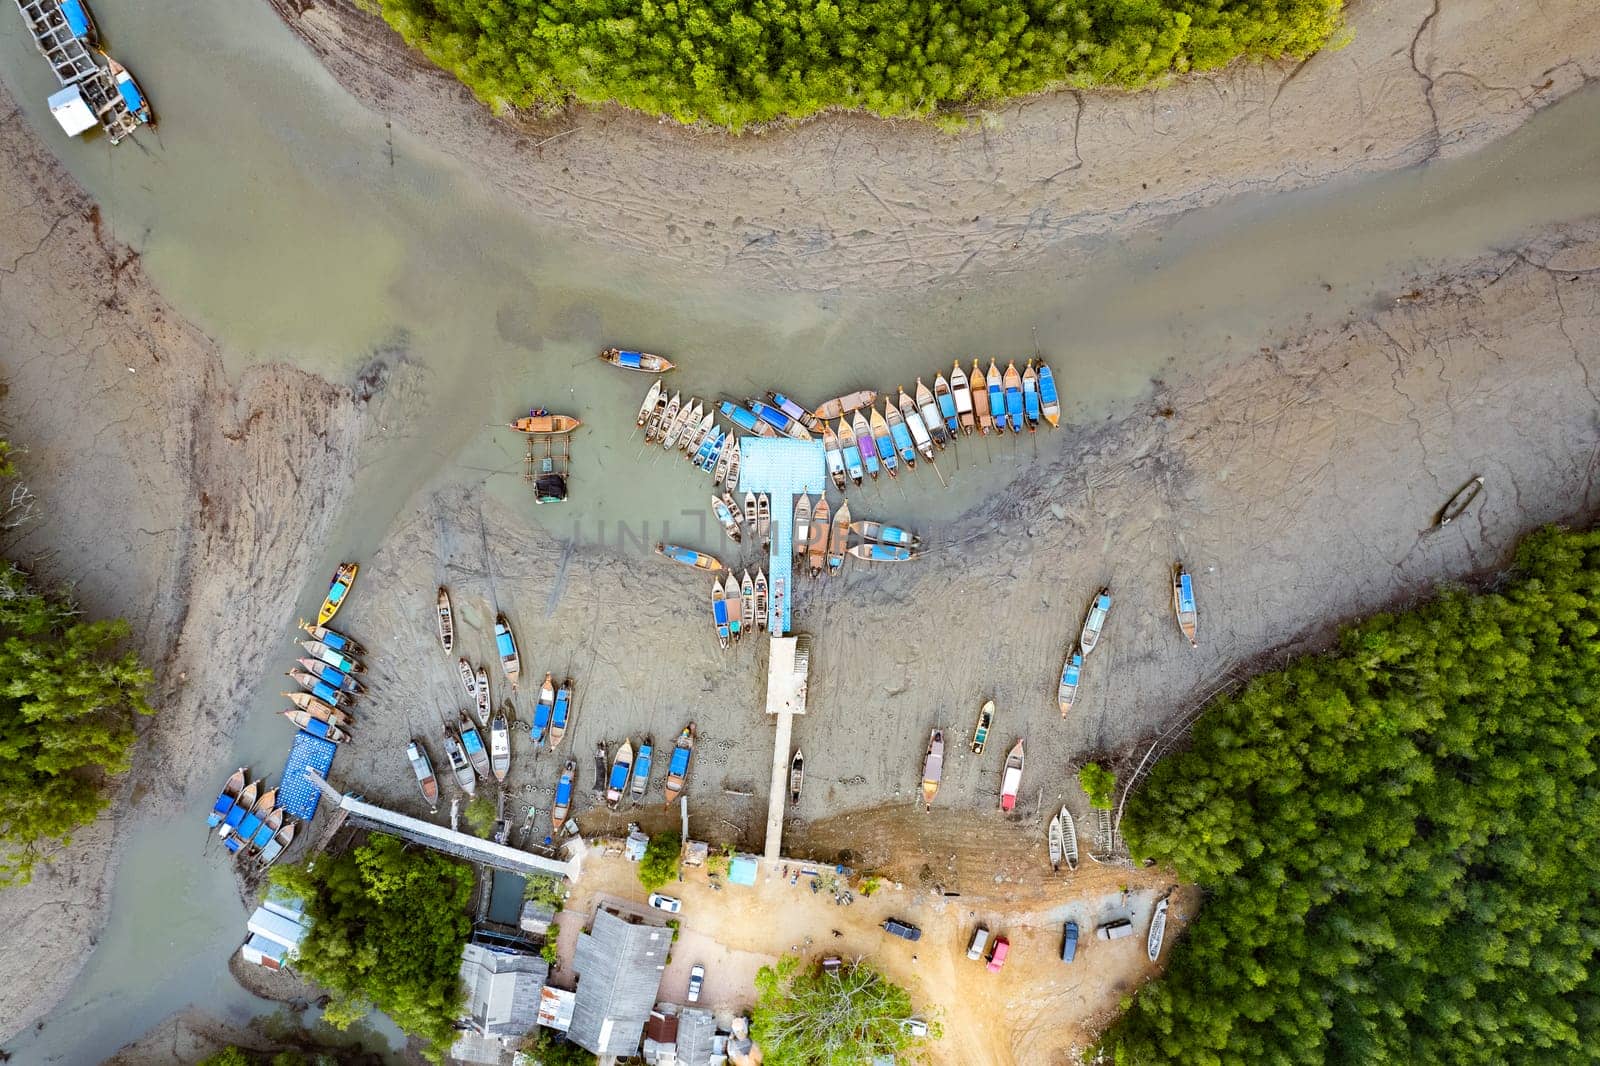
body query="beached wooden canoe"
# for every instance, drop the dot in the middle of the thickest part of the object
(446, 621)
(1095, 621)
(641, 768)
(541, 710)
(797, 776)
(649, 403)
(330, 675)
(850, 448)
(747, 598)
(500, 745)
(725, 519)
(318, 727)
(1012, 779)
(946, 402)
(764, 519)
(1158, 931)
(802, 524)
(690, 557)
(818, 549)
(995, 387)
(469, 678)
(1049, 398)
(980, 400)
(899, 434)
(643, 362)
(422, 767)
(563, 801)
(1030, 396)
(834, 455)
(919, 429)
(931, 418)
(621, 766)
(545, 423)
(320, 709)
(460, 767)
(761, 599)
(676, 418)
(690, 445)
(472, 745)
(735, 600)
(1069, 838)
(932, 768)
(678, 768)
(276, 846)
(980, 732)
(1013, 394)
(561, 713)
(330, 657)
(1183, 606)
(961, 390)
(483, 694)
(839, 539)
(338, 588)
(1459, 503)
(228, 798)
(1071, 673)
(505, 643)
(845, 404)
(719, 613)
(1056, 846)
(321, 689)
(883, 443)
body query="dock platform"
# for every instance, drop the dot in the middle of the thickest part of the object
(783, 469)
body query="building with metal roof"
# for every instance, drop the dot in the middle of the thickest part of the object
(697, 1037)
(619, 962)
(275, 930)
(503, 988)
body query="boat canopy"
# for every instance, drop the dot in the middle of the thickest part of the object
(1185, 593)
(680, 761)
(133, 99)
(77, 18)
(505, 644)
(631, 360)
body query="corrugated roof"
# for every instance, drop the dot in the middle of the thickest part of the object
(783, 469)
(697, 1028)
(502, 989)
(297, 793)
(619, 964)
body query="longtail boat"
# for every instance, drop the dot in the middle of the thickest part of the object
(563, 801)
(320, 689)
(730, 480)
(1069, 838)
(761, 599)
(725, 518)
(1055, 841)
(852, 452)
(1459, 503)
(930, 415)
(961, 389)
(980, 400)
(316, 708)
(834, 454)
(677, 419)
(1030, 396)
(747, 598)
(328, 656)
(620, 768)
(839, 539)
(719, 445)
(689, 557)
(818, 548)
(343, 578)
(1012, 780)
(1095, 621)
(275, 847)
(333, 639)
(240, 809)
(744, 420)
(1013, 391)
(317, 727)
(750, 512)
(690, 445)
(446, 621)
(980, 732)
(918, 428)
(802, 524)
(947, 405)
(678, 768)
(505, 643)
(649, 403)
(882, 553)
(652, 427)
(133, 97)
(544, 423)
(422, 767)
(1158, 931)
(641, 768)
(878, 533)
(459, 766)
(1049, 399)
(483, 694)
(900, 434)
(330, 675)
(469, 678)
(997, 397)
(240, 835)
(764, 519)
(472, 745)
(932, 768)
(541, 710)
(263, 835)
(227, 799)
(1071, 672)
(730, 448)
(561, 713)
(643, 362)
(719, 613)
(797, 776)
(883, 443)
(735, 601)
(845, 404)
(500, 745)
(774, 417)
(1183, 603)
(669, 417)
(704, 455)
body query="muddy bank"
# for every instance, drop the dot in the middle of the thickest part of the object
(847, 200)
(165, 493)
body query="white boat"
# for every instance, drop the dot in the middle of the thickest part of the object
(1055, 842)
(1158, 931)
(1069, 838)
(1095, 621)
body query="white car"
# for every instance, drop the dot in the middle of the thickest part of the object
(697, 977)
(665, 903)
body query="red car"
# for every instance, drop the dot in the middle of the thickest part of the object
(998, 953)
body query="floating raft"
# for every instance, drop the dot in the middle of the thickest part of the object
(297, 794)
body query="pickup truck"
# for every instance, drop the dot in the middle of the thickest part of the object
(903, 930)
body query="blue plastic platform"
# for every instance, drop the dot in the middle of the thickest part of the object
(296, 793)
(783, 469)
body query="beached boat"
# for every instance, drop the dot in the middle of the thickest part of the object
(980, 732)
(882, 553)
(561, 713)
(227, 799)
(961, 390)
(725, 518)
(878, 533)
(931, 417)
(677, 420)
(343, 578)
(483, 694)
(797, 776)
(544, 422)
(899, 434)
(240, 809)
(1013, 394)
(1055, 841)
(320, 689)
(541, 710)
(332, 676)
(505, 643)
(317, 727)
(932, 768)
(240, 835)
(744, 420)
(1158, 931)
(690, 445)
(747, 604)
(764, 519)
(839, 539)
(690, 557)
(643, 362)
(621, 766)
(719, 613)
(843, 405)
(1012, 780)
(883, 443)
(275, 847)
(793, 408)
(678, 768)
(1069, 838)
(649, 403)
(1095, 621)
(818, 548)
(947, 405)
(995, 387)
(980, 400)
(1049, 399)
(320, 710)
(422, 767)
(333, 639)
(851, 450)
(735, 601)
(459, 766)
(469, 678)
(1459, 503)
(472, 745)
(730, 480)
(263, 835)
(500, 745)
(834, 456)
(641, 767)
(919, 429)
(1071, 672)
(802, 524)
(329, 657)
(563, 801)
(445, 621)
(1030, 396)
(133, 97)
(1183, 607)
(761, 599)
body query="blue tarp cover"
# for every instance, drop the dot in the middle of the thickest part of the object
(742, 870)
(77, 18)
(506, 645)
(628, 359)
(296, 794)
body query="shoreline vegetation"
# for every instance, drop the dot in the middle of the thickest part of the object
(739, 63)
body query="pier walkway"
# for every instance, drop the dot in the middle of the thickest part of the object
(783, 469)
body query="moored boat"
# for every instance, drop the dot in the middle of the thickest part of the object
(980, 400)
(851, 450)
(997, 397)
(621, 766)
(947, 405)
(678, 768)
(839, 539)
(980, 732)
(843, 405)
(669, 417)
(761, 599)
(677, 419)
(689, 416)
(802, 524)
(227, 799)
(735, 601)
(1055, 841)
(883, 443)
(1013, 394)
(730, 480)
(446, 621)
(469, 678)
(323, 691)
(793, 408)
(541, 710)
(725, 519)
(472, 746)
(1158, 931)
(649, 403)
(422, 767)
(1067, 690)
(1049, 399)
(747, 598)
(275, 847)
(932, 768)
(745, 420)
(764, 519)
(332, 639)
(931, 417)
(719, 613)
(900, 434)
(505, 643)
(1069, 838)
(643, 362)
(319, 710)
(331, 675)
(641, 767)
(961, 389)
(878, 533)
(561, 713)
(240, 835)
(710, 450)
(778, 420)
(1095, 621)
(797, 776)
(1012, 779)
(263, 835)
(133, 97)
(919, 429)
(719, 472)
(459, 766)
(1183, 607)
(1030, 396)
(343, 578)
(500, 745)
(690, 445)
(690, 557)
(750, 511)
(483, 694)
(544, 423)
(240, 810)
(1459, 503)
(868, 446)
(652, 426)
(317, 727)
(563, 800)
(329, 657)
(882, 553)
(818, 548)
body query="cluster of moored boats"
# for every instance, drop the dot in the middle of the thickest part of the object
(249, 820)
(1183, 610)
(627, 773)
(933, 761)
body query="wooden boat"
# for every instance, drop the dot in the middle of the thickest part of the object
(980, 401)
(690, 446)
(761, 599)
(764, 519)
(505, 643)
(725, 519)
(932, 768)
(1013, 394)
(1056, 847)
(446, 621)
(329, 657)
(882, 553)
(797, 776)
(248, 826)
(275, 847)
(652, 428)
(563, 801)
(735, 600)
(561, 713)
(245, 800)
(469, 678)
(793, 408)
(677, 420)
(320, 689)
(1030, 396)
(750, 511)
(621, 766)
(730, 480)
(1095, 621)
(719, 613)
(878, 533)
(689, 416)
(947, 405)
(961, 390)
(317, 727)
(802, 524)
(747, 607)
(931, 418)
(263, 835)
(839, 539)
(483, 694)
(1012, 780)
(669, 416)
(541, 710)
(678, 768)
(775, 417)
(641, 767)
(1071, 672)
(883, 443)
(690, 557)
(834, 455)
(980, 732)
(918, 428)
(852, 452)
(719, 472)
(1069, 838)
(1158, 931)
(843, 405)
(459, 766)
(744, 420)
(500, 745)
(1049, 399)
(1459, 502)
(733, 508)
(332, 676)
(649, 404)
(1183, 608)
(422, 767)
(472, 746)
(818, 549)
(643, 362)
(133, 97)
(710, 450)
(545, 423)
(332, 639)
(316, 708)
(343, 578)
(900, 434)
(997, 397)
(227, 799)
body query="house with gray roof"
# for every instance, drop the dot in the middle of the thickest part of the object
(619, 962)
(502, 990)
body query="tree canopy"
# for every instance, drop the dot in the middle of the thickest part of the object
(387, 928)
(1099, 784)
(1397, 840)
(735, 62)
(805, 1017)
(660, 862)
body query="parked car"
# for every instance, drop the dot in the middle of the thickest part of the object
(697, 977)
(903, 930)
(914, 1027)
(997, 954)
(665, 903)
(980, 940)
(1069, 942)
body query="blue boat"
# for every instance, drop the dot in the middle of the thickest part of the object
(745, 420)
(719, 613)
(702, 454)
(563, 803)
(901, 436)
(947, 405)
(1071, 672)
(326, 693)
(997, 397)
(558, 719)
(132, 98)
(541, 712)
(1030, 394)
(775, 418)
(689, 557)
(1049, 401)
(332, 638)
(678, 768)
(227, 799)
(641, 767)
(797, 411)
(1013, 406)
(713, 456)
(643, 362)
(852, 454)
(617, 783)
(78, 20)
(882, 553)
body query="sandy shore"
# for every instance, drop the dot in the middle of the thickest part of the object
(847, 200)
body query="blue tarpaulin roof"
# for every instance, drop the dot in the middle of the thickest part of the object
(296, 793)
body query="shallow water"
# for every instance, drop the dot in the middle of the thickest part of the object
(290, 223)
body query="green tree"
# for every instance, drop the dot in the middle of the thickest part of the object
(1099, 784)
(804, 1017)
(481, 815)
(548, 891)
(387, 929)
(660, 862)
(547, 1048)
